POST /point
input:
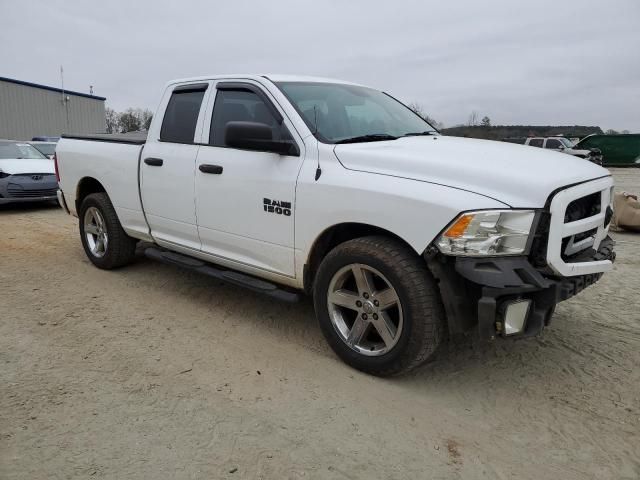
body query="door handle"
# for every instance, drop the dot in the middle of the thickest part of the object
(215, 169)
(154, 162)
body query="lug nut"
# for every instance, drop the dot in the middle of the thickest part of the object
(376, 303)
(375, 316)
(365, 295)
(358, 304)
(364, 316)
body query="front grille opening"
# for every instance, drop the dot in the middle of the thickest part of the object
(538, 254)
(44, 192)
(584, 207)
(15, 190)
(578, 237)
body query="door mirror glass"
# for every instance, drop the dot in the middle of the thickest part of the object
(256, 136)
(243, 118)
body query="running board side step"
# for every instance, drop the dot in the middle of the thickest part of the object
(228, 276)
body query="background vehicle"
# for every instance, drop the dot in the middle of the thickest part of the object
(45, 139)
(26, 175)
(285, 184)
(45, 148)
(559, 144)
(617, 150)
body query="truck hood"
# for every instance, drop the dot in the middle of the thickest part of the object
(14, 166)
(517, 175)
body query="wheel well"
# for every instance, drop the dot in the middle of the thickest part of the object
(331, 238)
(87, 186)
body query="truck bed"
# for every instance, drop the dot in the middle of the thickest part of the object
(113, 160)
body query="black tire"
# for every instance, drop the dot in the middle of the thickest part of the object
(121, 248)
(422, 311)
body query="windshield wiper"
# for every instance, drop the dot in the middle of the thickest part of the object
(417, 134)
(373, 137)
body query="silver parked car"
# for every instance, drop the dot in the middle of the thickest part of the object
(26, 175)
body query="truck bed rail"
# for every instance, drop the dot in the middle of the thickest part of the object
(137, 138)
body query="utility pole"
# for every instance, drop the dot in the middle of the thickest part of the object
(62, 81)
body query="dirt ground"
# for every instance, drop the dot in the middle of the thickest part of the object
(153, 372)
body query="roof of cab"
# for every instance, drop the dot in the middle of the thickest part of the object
(259, 77)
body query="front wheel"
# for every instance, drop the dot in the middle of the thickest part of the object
(378, 306)
(104, 241)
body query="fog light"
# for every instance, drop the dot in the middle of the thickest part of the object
(515, 316)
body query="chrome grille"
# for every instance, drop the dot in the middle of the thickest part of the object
(578, 222)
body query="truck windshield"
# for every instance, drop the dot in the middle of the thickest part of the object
(339, 113)
(566, 142)
(18, 150)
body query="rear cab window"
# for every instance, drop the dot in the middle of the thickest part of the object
(181, 114)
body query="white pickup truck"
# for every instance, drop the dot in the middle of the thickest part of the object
(564, 145)
(288, 185)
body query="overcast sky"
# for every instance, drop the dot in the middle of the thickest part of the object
(540, 62)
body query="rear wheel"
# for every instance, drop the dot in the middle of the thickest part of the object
(378, 306)
(104, 241)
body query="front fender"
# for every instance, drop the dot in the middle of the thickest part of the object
(415, 211)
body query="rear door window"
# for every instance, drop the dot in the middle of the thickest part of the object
(536, 142)
(181, 115)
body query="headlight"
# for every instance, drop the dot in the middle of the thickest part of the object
(487, 232)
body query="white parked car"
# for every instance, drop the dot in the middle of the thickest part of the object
(564, 145)
(26, 175)
(286, 184)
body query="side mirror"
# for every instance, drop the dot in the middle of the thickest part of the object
(561, 147)
(257, 136)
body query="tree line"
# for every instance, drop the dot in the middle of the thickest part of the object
(500, 132)
(137, 119)
(473, 121)
(131, 120)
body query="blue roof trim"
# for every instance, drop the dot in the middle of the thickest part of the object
(51, 89)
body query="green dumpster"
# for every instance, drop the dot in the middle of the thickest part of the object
(617, 150)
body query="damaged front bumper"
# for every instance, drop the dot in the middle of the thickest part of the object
(505, 296)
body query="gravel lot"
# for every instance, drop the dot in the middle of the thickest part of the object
(153, 372)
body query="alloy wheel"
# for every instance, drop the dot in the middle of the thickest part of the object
(365, 309)
(95, 231)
